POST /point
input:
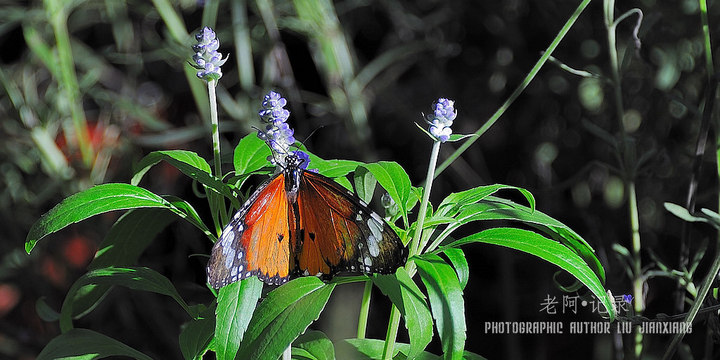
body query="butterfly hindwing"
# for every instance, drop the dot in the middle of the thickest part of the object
(255, 242)
(336, 232)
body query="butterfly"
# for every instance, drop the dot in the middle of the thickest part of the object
(301, 223)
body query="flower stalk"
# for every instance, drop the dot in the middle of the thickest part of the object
(440, 122)
(208, 61)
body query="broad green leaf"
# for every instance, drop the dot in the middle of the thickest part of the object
(446, 302)
(87, 344)
(546, 249)
(131, 234)
(302, 354)
(575, 242)
(284, 314)
(136, 278)
(414, 198)
(334, 168)
(438, 220)
(394, 180)
(93, 201)
(251, 154)
(190, 164)
(494, 208)
(364, 184)
(410, 301)
(455, 202)
(315, 344)
(196, 334)
(236, 304)
(372, 349)
(344, 182)
(459, 262)
(173, 157)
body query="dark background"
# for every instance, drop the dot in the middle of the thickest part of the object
(474, 52)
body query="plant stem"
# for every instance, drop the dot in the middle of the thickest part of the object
(215, 128)
(416, 246)
(364, 310)
(216, 200)
(392, 330)
(57, 14)
(707, 113)
(516, 93)
(638, 280)
(628, 165)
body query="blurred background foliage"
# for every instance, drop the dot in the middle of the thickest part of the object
(89, 87)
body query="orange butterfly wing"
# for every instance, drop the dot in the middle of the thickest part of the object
(336, 232)
(255, 242)
(312, 226)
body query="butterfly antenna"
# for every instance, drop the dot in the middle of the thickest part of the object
(309, 136)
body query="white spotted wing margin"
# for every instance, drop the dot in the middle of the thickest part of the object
(349, 237)
(230, 260)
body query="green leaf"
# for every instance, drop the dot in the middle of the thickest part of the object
(414, 198)
(682, 213)
(494, 208)
(446, 302)
(251, 154)
(45, 312)
(136, 278)
(455, 202)
(302, 354)
(410, 301)
(371, 349)
(334, 168)
(365, 184)
(93, 201)
(284, 314)
(546, 249)
(315, 344)
(190, 164)
(86, 344)
(236, 304)
(344, 182)
(575, 242)
(187, 212)
(458, 137)
(174, 157)
(131, 234)
(394, 180)
(459, 262)
(196, 334)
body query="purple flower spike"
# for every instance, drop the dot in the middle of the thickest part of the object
(277, 134)
(442, 118)
(207, 59)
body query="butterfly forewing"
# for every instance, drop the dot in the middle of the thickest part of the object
(255, 242)
(339, 233)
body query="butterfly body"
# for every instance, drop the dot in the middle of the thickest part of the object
(301, 223)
